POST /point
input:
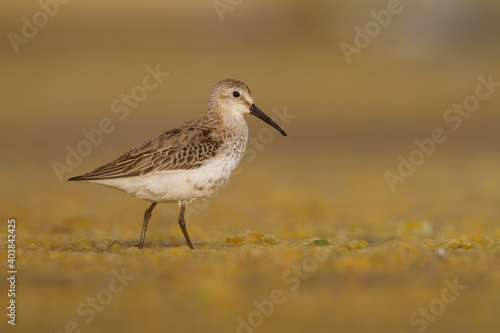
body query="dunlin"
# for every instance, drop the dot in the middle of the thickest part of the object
(189, 162)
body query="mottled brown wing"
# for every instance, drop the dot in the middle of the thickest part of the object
(182, 148)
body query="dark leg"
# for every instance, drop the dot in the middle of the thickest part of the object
(147, 216)
(182, 223)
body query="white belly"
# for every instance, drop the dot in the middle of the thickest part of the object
(179, 185)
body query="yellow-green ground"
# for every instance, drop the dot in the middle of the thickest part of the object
(349, 286)
(381, 270)
(308, 235)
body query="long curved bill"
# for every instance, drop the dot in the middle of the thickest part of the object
(254, 110)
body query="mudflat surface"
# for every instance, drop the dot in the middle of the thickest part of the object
(271, 254)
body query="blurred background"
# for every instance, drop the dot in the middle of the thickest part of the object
(354, 84)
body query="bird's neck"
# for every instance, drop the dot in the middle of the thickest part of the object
(231, 122)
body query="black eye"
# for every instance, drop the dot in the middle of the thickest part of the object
(236, 94)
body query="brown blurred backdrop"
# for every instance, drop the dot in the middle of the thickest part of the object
(353, 119)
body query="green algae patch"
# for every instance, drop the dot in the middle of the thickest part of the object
(319, 242)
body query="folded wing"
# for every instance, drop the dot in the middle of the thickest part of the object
(183, 148)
